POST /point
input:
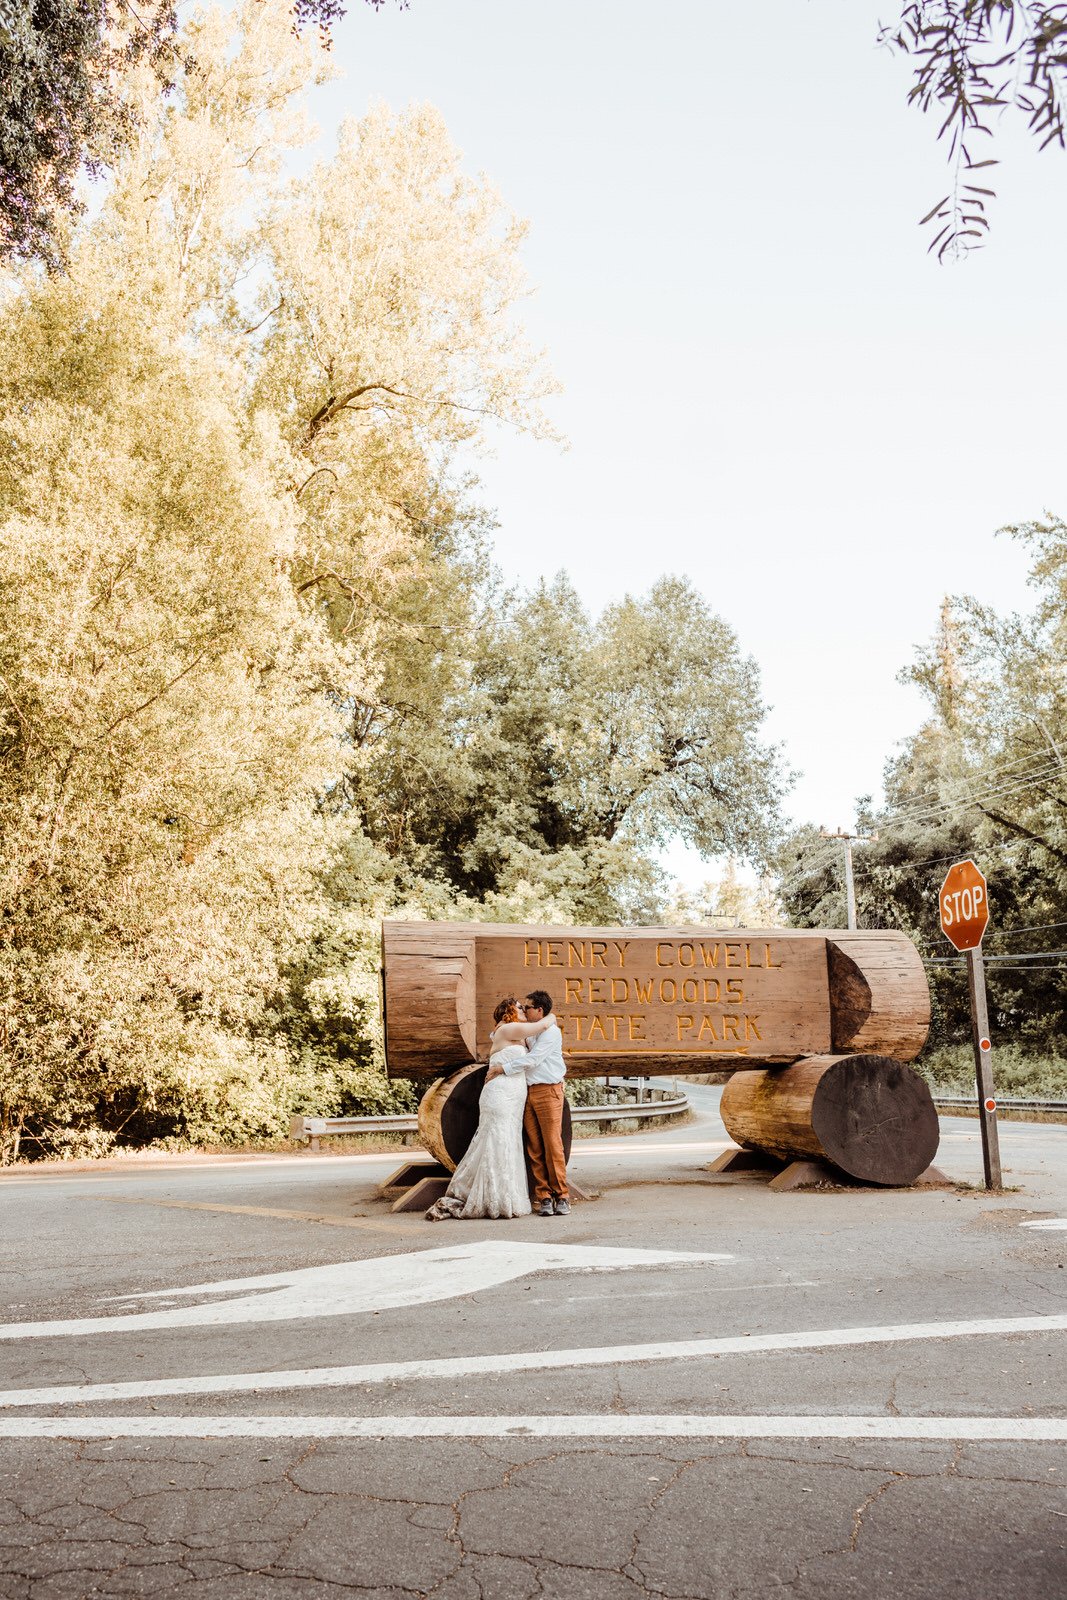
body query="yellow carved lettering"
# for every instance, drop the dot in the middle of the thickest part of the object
(573, 991)
(682, 962)
(597, 996)
(621, 945)
(618, 984)
(689, 990)
(709, 998)
(733, 950)
(614, 1019)
(731, 1027)
(637, 1027)
(595, 1024)
(748, 958)
(533, 946)
(771, 963)
(597, 948)
(734, 991)
(575, 953)
(683, 1023)
(660, 962)
(668, 999)
(578, 1020)
(707, 1028)
(554, 953)
(710, 954)
(751, 1030)
(644, 995)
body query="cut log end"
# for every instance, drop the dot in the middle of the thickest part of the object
(448, 1115)
(870, 1116)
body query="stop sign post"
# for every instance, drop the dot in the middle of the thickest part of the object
(964, 906)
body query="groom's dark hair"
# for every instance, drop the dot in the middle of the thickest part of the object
(540, 1000)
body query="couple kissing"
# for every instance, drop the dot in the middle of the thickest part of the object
(520, 1117)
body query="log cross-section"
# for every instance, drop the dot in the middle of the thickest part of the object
(871, 1117)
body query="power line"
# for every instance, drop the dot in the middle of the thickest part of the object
(982, 772)
(1044, 767)
(816, 863)
(1028, 967)
(1037, 927)
(1058, 966)
(934, 861)
(1008, 957)
(896, 821)
(930, 814)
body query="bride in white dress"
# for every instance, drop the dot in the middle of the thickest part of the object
(490, 1180)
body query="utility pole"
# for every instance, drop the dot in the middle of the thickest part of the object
(848, 839)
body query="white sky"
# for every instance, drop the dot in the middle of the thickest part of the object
(768, 385)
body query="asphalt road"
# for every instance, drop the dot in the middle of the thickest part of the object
(691, 1387)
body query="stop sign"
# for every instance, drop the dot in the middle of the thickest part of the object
(964, 904)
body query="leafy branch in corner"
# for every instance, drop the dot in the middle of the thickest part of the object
(974, 60)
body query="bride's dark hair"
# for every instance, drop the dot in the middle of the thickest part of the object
(507, 1010)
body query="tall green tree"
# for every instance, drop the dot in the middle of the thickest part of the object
(985, 777)
(574, 747)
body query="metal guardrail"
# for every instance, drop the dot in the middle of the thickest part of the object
(631, 1109)
(316, 1128)
(971, 1103)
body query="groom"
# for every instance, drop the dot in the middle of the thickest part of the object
(542, 1122)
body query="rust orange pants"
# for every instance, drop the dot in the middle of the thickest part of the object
(542, 1126)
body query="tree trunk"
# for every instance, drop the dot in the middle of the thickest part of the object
(871, 1117)
(10, 1138)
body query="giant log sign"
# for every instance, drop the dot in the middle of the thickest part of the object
(637, 999)
(814, 1026)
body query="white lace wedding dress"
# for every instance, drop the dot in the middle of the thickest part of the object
(490, 1180)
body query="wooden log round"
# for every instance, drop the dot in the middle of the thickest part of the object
(871, 1117)
(448, 1116)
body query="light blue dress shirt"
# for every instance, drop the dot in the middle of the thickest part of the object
(544, 1059)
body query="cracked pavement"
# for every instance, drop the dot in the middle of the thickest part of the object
(519, 1517)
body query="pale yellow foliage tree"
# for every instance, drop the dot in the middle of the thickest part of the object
(190, 629)
(164, 734)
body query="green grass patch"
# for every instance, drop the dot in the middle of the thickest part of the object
(949, 1069)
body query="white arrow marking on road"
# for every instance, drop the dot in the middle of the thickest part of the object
(1011, 1429)
(526, 1361)
(374, 1284)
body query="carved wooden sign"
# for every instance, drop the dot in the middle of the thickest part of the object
(669, 993)
(679, 999)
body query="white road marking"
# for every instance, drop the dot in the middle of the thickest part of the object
(615, 1295)
(373, 1284)
(135, 1172)
(1048, 1224)
(526, 1361)
(1010, 1429)
(129, 1172)
(626, 1147)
